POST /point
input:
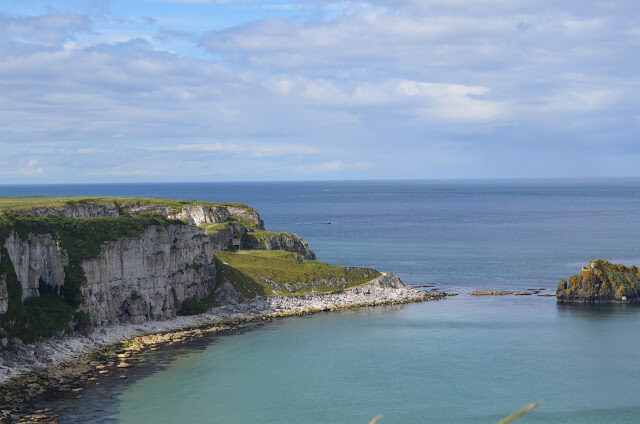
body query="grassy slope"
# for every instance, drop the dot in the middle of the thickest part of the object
(261, 272)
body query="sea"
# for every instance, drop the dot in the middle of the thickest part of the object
(464, 359)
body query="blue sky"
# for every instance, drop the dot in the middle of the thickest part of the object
(197, 90)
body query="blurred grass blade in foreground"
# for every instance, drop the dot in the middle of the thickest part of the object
(520, 413)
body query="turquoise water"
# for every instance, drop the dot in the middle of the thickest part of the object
(461, 360)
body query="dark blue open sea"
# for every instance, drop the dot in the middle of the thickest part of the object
(461, 360)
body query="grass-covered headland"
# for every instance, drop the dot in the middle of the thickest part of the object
(250, 273)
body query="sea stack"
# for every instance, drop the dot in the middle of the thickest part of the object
(601, 282)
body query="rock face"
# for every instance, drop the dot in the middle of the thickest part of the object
(148, 277)
(79, 210)
(192, 214)
(247, 214)
(4, 295)
(198, 215)
(601, 282)
(277, 240)
(38, 258)
(228, 238)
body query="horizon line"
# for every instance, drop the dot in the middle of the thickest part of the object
(435, 179)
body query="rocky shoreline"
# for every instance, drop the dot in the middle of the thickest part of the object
(65, 366)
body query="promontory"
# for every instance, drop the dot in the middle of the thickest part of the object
(70, 266)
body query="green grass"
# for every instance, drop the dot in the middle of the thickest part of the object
(244, 222)
(264, 235)
(197, 306)
(215, 227)
(277, 272)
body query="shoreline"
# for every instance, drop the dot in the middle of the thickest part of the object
(64, 366)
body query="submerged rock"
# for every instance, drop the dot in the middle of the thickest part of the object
(491, 292)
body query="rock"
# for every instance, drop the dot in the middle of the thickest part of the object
(4, 295)
(490, 292)
(148, 277)
(601, 282)
(38, 257)
(4, 342)
(277, 240)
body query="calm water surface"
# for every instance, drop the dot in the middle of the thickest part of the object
(465, 359)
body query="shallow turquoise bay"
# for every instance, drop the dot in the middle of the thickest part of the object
(462, 360)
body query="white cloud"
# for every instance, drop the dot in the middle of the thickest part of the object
(253, 150)
(32, 168)
(328, 89)
(334, 166)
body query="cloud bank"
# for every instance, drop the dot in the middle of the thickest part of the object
(208, 91)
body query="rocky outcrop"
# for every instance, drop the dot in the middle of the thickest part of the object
(4, 295)
(148, 277)
(247, 214)
(198, 215)
(601, 282)
(277, 240)
(229, 237)
(35, 259)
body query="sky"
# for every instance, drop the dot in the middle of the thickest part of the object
(198, 90)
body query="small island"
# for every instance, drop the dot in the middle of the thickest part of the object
(601, 282)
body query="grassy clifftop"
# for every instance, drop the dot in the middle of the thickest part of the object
(601, 281)
(276, 272)
(17, 204)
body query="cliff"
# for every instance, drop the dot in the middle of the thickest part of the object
(277, 240)
(601, 282)
(72, 264)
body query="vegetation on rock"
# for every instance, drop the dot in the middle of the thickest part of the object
(193, 306)
(601, 281)
(214, 228)
(35, 318)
